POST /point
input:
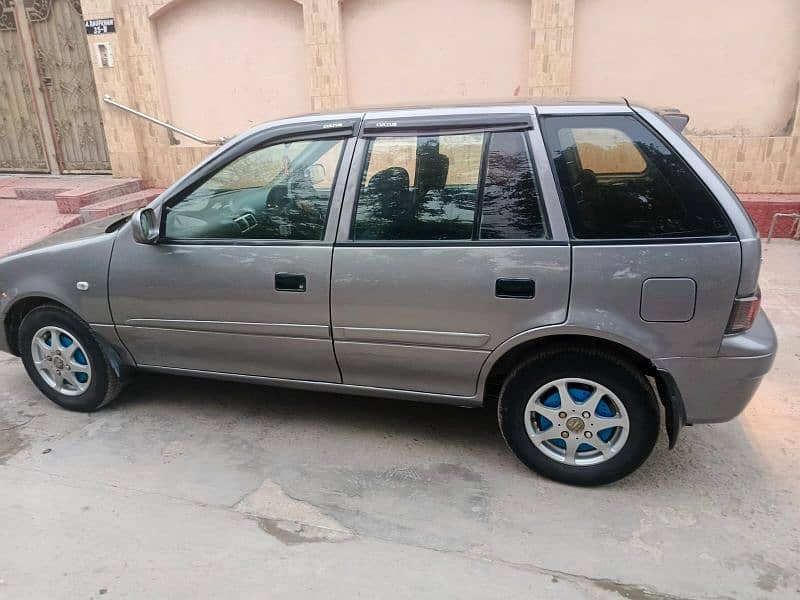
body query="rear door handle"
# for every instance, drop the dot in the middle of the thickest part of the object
(515, 288)
(290, 282)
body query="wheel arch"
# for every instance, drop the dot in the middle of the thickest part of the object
(511, 353)
(17, 311)
(23, 306)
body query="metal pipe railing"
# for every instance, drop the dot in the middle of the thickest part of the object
(217, 142)
(775, 217)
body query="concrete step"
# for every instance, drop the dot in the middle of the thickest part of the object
(120, 204)
(47, 187)
(92, 192)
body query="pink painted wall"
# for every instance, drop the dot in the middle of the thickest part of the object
(230, 65)
(732, 65)
(406, 51)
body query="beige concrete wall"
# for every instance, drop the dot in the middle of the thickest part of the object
(405, 51)
(230, 65)
(732, 65)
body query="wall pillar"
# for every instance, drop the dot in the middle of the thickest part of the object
(325, 45)
(136, 148)
(550, 58)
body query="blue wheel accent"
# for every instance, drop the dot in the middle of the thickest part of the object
(543, 422)
(604, 409)
(579, 395)
(605, 434)
(80, 358)
(552, 401)
(82, 377)
(65, 340)
(585, 448)
(560, 443)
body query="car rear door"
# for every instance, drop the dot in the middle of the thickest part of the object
(449, 244)
(239, 280)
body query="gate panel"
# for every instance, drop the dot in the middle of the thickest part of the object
(65, 68)
(21, 148)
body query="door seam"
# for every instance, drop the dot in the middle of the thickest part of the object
(333, 250)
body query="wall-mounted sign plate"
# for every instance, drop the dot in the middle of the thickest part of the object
(99, 26)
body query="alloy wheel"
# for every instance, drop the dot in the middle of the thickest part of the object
(61, 361)
(576, 421)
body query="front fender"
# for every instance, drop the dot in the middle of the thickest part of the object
(54, 272)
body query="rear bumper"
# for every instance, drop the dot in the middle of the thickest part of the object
(717, 389)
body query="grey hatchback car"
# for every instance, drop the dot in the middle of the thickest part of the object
(578, 265)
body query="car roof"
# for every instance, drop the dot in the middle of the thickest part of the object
(488, 103)
(460, 105)
(543, 105)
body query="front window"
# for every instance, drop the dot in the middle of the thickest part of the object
(280, 192)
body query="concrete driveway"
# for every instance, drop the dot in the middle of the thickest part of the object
(186, 488)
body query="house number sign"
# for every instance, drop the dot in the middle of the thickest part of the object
(99, 26)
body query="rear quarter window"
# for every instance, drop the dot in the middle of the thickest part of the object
(619, 180)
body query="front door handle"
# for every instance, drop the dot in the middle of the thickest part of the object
(290, 282)
(515, 288)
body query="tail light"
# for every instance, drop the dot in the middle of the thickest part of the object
(744, 313)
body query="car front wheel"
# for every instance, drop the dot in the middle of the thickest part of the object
(65, 361)
(579, 416)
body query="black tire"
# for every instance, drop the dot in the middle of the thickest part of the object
(104, 384)
(615, 373)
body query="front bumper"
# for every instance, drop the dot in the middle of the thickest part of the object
(717, 389)
(3, 342)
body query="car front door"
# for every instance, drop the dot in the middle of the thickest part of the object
(239, 279)
(445, 250)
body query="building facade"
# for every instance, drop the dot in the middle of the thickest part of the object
(217, 68)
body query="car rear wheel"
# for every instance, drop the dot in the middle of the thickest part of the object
(577, 416)
(65, 361)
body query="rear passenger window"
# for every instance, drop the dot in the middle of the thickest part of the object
(429, 188)
(511, 208)
(619, 180)
(419, 188)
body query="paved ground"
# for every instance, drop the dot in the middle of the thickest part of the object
(187, 489)
(23, 222)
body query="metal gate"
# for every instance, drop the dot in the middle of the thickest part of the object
(63, 69)
(21, 147)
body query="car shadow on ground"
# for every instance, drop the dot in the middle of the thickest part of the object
(434, 425)
(323, 410)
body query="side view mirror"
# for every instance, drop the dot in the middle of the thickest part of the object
(315, 173)
(145, 226)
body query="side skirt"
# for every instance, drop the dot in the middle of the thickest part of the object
(319, 386)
